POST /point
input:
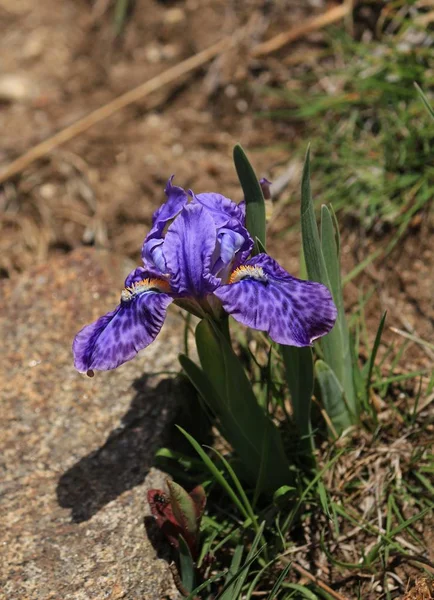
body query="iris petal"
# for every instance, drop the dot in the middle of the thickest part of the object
(221, 208)
(152, 254)
(177, 198)
(230, 242)
(234, 245)
(120, 334)
(188, 248)
(264, 296)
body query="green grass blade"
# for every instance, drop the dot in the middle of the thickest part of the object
(233, 570)
(120, 16)
(246, 566)
(255, 204)
(362, 265)
(279, 581)
(303, 590)
(241, 493)
(424, 100)
(252, 554)
(404, 377)
(373, 355)
(205, 584)
(216, 473)
(292, 515)
(261, 247)
(257, 578)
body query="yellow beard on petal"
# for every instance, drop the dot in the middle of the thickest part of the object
(145, 285)
(248, 272)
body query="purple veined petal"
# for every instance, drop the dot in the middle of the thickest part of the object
(233, 247)
(221, 208)
(119, 335)
(177, 198)
(230, 243)
(263, 296)
(188, 248)
(152, 254)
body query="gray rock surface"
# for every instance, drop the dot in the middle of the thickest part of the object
(77, 453)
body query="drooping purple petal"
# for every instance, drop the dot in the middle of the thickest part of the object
(262, 295)
(119, 335)
(221, 208)
(188, 248)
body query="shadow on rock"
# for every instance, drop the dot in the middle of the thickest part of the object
(159, 542)
(126, 457)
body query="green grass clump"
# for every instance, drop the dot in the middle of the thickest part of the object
(361, 111)
(362, 514)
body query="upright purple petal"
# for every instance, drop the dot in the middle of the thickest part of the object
(119, 335)
(221, 208)
(152, 254)
(233, 247)
(177, 198)
(262, 295)
(188, 249)
(230, 242)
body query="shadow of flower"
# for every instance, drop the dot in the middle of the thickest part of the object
(127, 455)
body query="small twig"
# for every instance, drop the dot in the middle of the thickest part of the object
(329, 423)
(177, 581)
(317, 581)
(186, 66)
(331, 16)
(412, 336)
(282, 181)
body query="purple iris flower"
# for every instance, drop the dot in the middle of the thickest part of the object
(197, 255)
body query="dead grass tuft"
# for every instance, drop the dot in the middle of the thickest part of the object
(421, 590)
(373, 529)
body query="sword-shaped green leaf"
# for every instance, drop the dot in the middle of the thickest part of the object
(244, 423)
(322, 265)
(330, 244)
(333, 398)
(186, 565)
(299, 376)
(255, 204)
